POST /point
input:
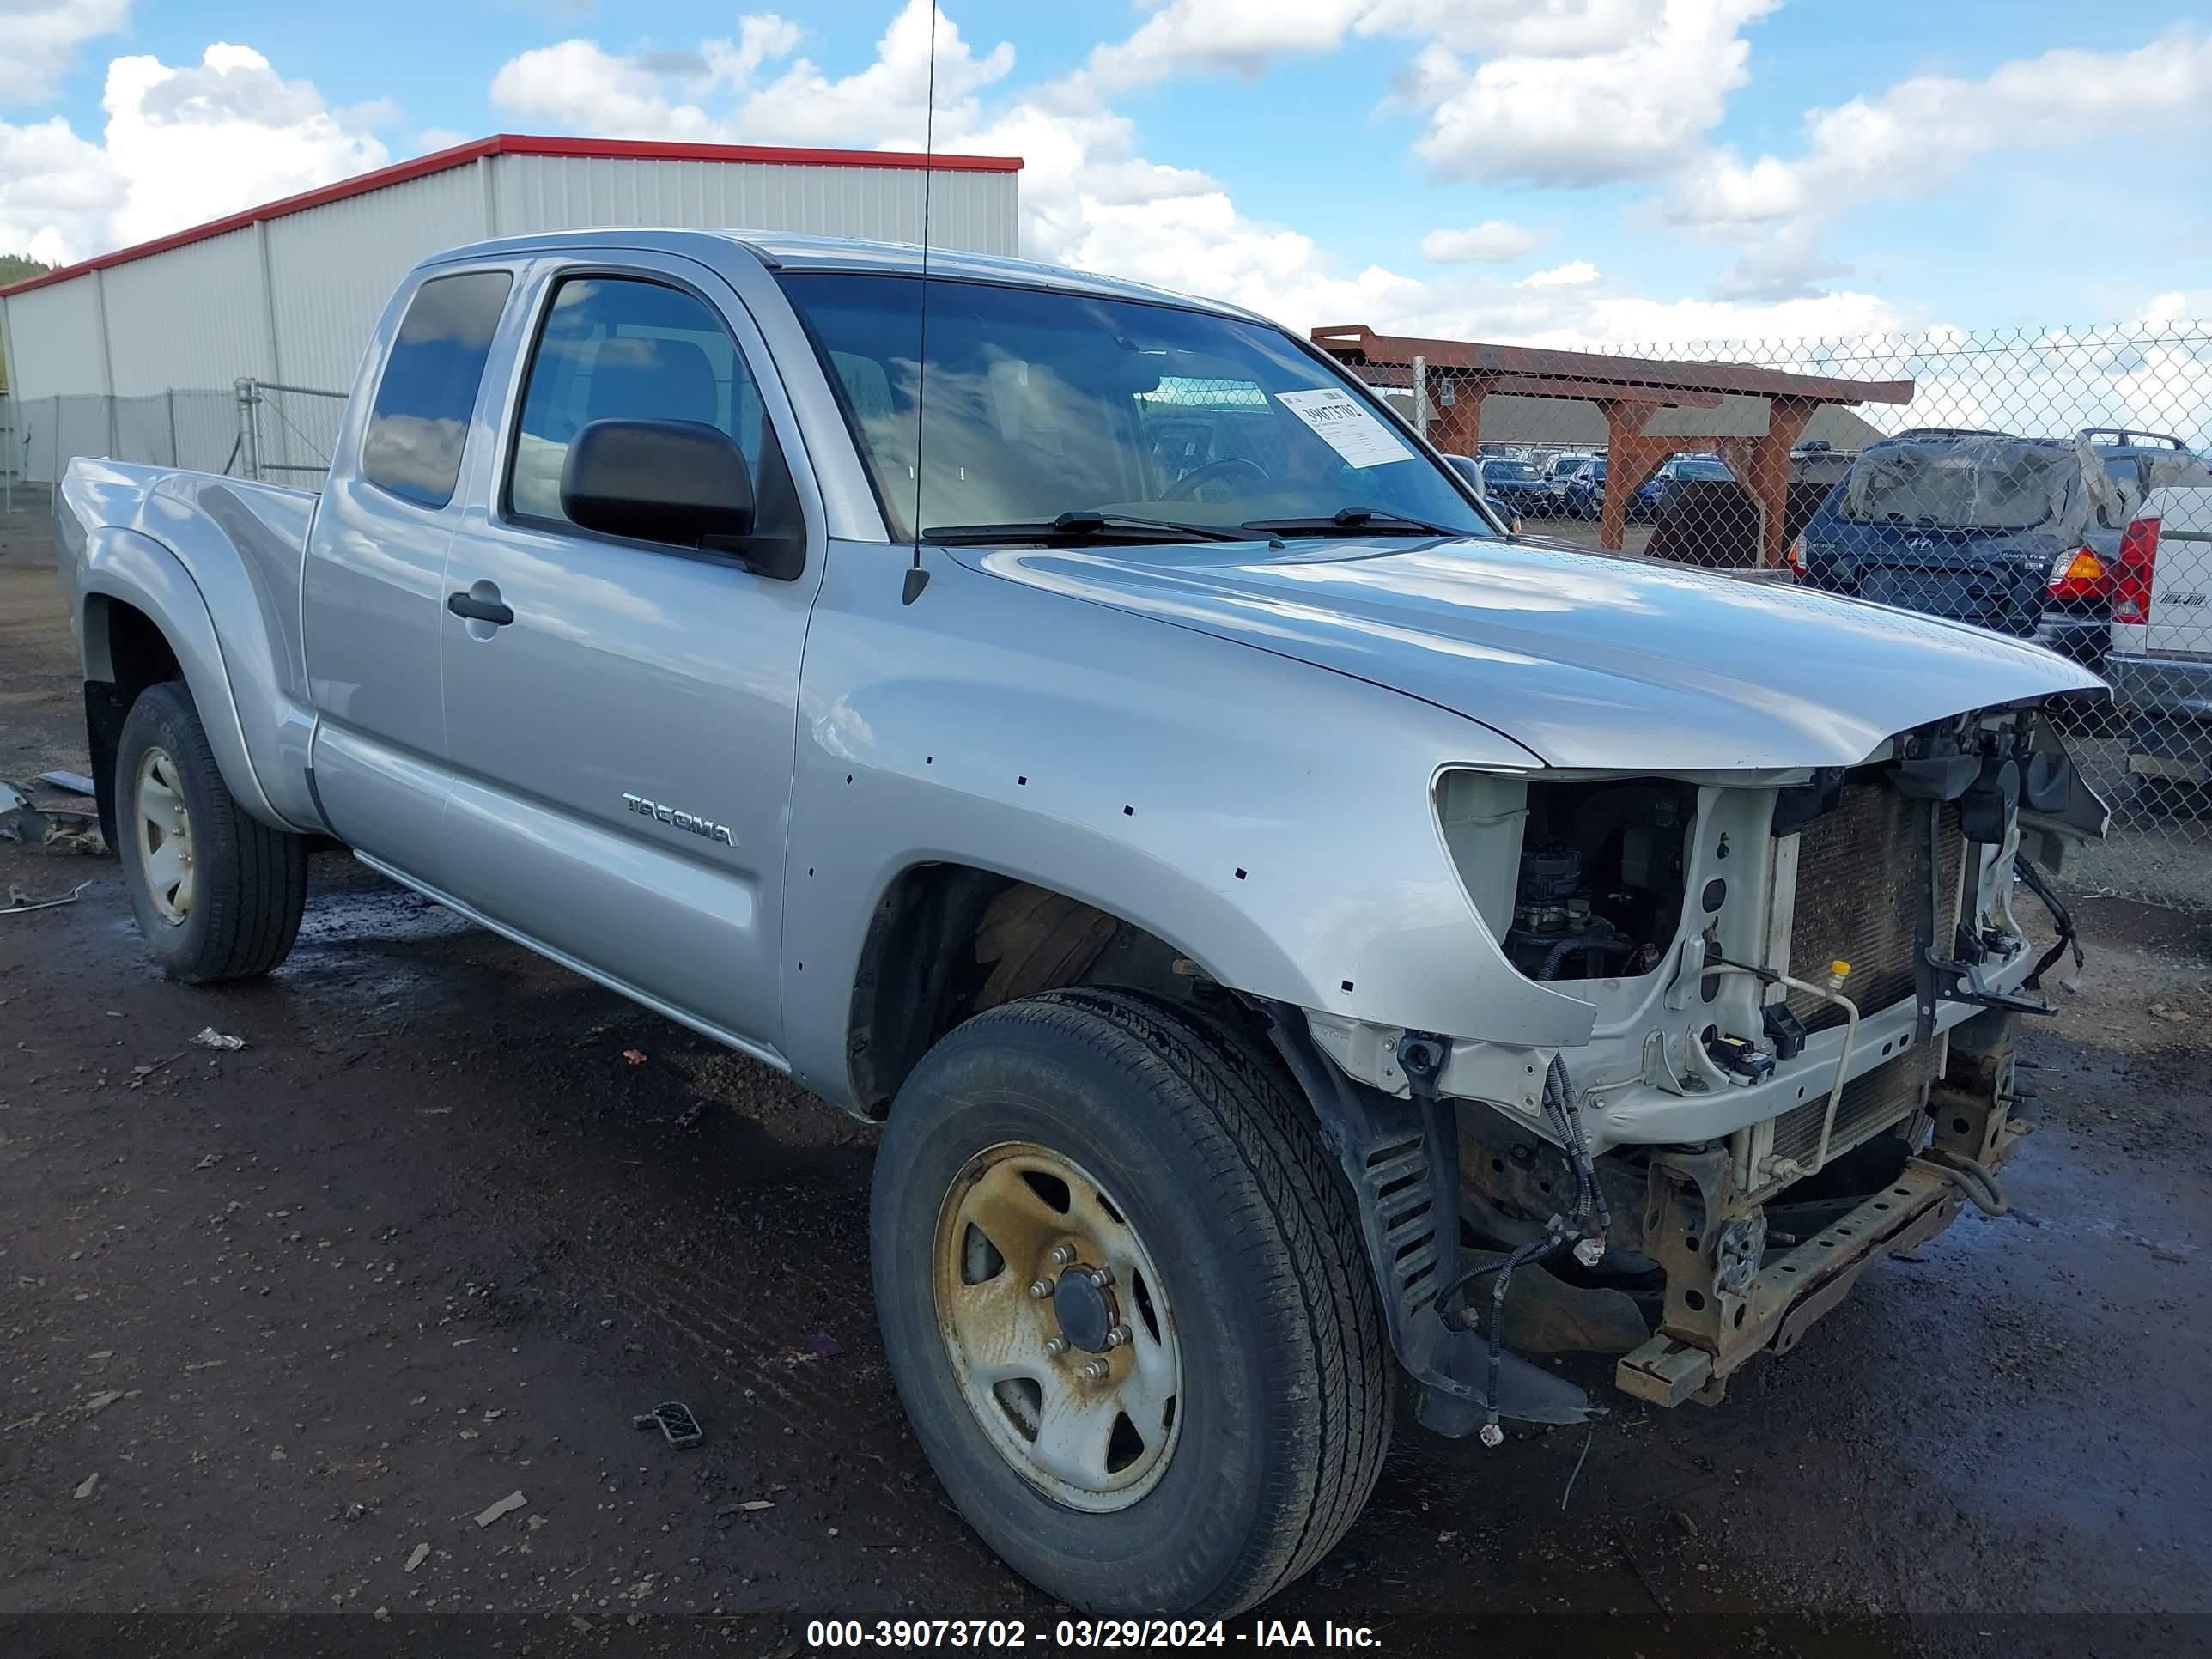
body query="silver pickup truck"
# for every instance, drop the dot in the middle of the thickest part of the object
(1301, 939)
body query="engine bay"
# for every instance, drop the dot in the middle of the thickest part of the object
(1599, 893)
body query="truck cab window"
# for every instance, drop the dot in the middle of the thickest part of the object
(420, 420)
(620, 349)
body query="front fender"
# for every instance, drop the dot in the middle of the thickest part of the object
(127, 567)
(1271, 821)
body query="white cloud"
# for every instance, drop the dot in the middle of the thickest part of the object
(1572, 274)
(1238, 37)
(1625, 102)
(41, 41)
(195, 142)
(183, 143)
(668, 96)
(1493, 242)
(1090, 198)
(56, 192)
(1912, 141)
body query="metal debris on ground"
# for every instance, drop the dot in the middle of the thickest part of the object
(75, 782)
(208, 1037)
(140, 1073)
(506, 1506)
(417, 1557)
(23, 903)
(70, 831)
(675, 1421)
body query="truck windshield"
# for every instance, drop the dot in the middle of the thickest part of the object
(1042, 406)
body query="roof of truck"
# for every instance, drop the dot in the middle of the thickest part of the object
(779, 251)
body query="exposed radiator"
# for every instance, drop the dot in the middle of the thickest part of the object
(1870, 1103)
(1861, 872)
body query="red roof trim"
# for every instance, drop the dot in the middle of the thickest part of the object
(511, 143)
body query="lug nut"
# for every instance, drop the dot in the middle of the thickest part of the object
(1094, 1371)
(1039, 1288)
(1117, 1336)
(1102, 1277)
(1492, 1434)
(1057, 1347)
(1062, 1254)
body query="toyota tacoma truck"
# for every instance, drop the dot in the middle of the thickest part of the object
(1302, 941)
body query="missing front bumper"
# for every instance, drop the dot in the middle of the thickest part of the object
(1718, 1315)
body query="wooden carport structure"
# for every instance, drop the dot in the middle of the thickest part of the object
(1628, 391)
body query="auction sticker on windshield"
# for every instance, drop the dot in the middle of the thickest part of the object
(1346, 426)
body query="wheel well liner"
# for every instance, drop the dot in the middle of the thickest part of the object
(949, 940)
(124, 652)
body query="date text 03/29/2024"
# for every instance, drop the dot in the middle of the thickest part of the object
(832, 1635)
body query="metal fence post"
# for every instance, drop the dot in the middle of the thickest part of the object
(1421, 395)
(175, 459)
(249, 437)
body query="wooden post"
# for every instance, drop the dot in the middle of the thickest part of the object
(1455, 417)
(1768, 482)
(1631, 458)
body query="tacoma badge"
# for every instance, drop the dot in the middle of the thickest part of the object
(669, 815)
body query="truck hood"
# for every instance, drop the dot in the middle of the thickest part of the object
(1586, 659)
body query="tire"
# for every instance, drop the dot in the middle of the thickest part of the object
(238, 912)
(1281, 1409)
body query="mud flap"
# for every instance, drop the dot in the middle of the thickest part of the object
(1402, 1158)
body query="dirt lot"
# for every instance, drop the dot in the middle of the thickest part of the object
(281, 1324)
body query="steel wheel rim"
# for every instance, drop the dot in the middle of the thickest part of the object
(165, 835)
(1019, 1217)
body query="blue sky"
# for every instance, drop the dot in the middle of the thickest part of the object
(1658, 166)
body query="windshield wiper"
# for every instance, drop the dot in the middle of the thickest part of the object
(1358, 520)
(1080, 526)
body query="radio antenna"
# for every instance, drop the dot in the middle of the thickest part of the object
(916, 577)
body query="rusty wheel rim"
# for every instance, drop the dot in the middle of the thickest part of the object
(1073, 1377)
(165, 836)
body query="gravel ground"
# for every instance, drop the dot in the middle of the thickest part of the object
(284, 1327)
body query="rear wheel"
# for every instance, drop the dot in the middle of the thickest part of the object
(1126, 1306)
(217, 894)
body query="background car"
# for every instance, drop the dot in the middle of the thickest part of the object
(1559, 469)
(1517, 487)
(2019, 535)
(1706, 469)
(1585, 489)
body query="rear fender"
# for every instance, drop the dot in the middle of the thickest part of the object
(126, 567)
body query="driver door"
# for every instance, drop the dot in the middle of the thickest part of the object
(621, 750)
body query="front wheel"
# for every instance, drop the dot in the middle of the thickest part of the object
(218, 894)
(1125, 1304)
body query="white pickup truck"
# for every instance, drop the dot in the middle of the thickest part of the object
(1298, 935)
(2160, 660)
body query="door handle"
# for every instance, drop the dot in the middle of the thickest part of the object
(465, 604)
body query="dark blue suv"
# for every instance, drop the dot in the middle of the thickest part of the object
(2018, 535)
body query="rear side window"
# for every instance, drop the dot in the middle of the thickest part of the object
(420, 421)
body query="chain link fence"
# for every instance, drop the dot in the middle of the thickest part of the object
(2048, 484)
(255, 429)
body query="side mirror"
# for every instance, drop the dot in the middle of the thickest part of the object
(680, 481)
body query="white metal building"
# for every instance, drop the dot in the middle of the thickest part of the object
(288, 293)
